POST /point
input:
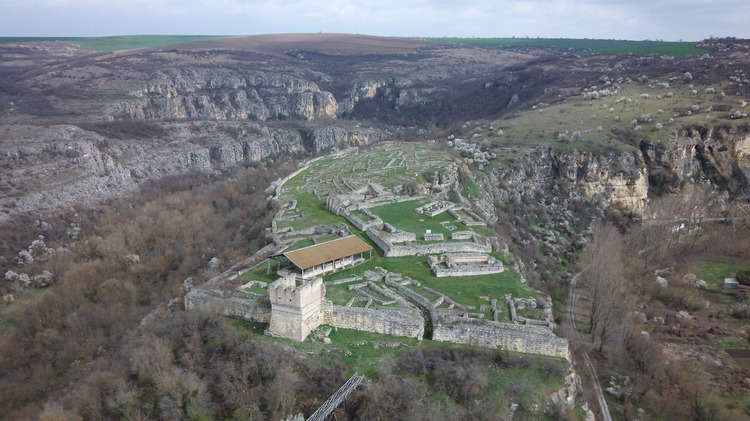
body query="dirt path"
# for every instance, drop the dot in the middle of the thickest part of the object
(572, 298)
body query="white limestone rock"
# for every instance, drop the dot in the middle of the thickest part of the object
(662, 282)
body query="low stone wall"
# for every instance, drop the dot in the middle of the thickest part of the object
(434, 237)
(398, 250)
(360, 224)
(401, 237)
(472, 270)
(518, 338)
(465, 264)
(353, 278)
(435, 208)
(463, 235)
(397, 321)
(239, 304)
(259, 284)
(473, 214)
(372, 233)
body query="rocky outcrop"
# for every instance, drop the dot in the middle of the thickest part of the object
(67, 164)
(224, 94)
(327, 138)
(613, 179)
(722, 154)
(397, 91)
(605, 178)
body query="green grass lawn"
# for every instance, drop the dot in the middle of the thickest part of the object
(118, 43)
(586, 46)
(714, 272)
(340, 294)
(314, 212)
(464, 290)
(402, 216)
(258, 273)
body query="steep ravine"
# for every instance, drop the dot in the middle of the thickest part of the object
(545, 196)
(67, 164)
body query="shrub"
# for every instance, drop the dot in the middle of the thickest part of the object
(743, 277)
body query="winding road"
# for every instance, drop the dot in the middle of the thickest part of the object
(572, 297)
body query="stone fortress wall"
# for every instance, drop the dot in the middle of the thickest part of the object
(388, 321)
(529, 339)
(464, 264)
(402, 321)
(236, 303)
(293, 310)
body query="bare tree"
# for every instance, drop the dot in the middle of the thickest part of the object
(605, 282)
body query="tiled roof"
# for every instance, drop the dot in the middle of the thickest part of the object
(308, 257)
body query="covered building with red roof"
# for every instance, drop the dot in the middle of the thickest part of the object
(322, 258)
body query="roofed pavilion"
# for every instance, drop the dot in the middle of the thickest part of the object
(322, 258)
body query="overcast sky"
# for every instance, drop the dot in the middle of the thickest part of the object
(670, 20)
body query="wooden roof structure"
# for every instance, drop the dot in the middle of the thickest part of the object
(311, 256)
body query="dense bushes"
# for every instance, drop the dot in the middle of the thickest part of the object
(127, 256)
(743, 277)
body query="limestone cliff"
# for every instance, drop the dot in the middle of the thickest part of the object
(722, 154)
(397, 91)
(606, 178)
(610, 178)
(327, 138)
(67, 164)
(224, 94)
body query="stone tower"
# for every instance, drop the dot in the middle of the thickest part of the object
(295, 310)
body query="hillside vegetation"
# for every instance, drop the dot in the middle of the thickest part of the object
(585, 46)
(117, 43)
(124, 173)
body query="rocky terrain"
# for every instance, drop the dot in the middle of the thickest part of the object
(601, 133)
(85, 125)
(541, 142)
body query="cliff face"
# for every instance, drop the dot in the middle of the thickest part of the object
(67, 164)
(612, 178)
(330, 137)
(396, 91)
(625, 179)
(722, 154)
(604, 178)
(223, 94)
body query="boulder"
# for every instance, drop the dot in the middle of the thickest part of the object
(682, 314)
(662, 282)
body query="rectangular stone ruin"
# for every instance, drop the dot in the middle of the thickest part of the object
(465, 264)
(434, 236)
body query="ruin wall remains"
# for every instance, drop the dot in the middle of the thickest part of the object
(238, 304)
(518, 338)
(388, 321)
